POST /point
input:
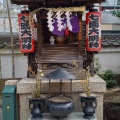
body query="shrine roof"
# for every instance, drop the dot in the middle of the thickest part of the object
(56, 3)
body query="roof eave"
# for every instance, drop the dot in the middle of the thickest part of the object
(30, 2)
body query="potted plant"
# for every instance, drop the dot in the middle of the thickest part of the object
(37, 100)
(88, 100)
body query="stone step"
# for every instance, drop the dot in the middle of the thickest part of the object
(72, 116)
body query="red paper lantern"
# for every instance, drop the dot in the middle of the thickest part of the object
(25, 34)
(93, 31)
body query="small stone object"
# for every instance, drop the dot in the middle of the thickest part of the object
(52, 40)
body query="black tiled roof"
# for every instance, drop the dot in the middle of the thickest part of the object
(110, 32)
(113, 42)
(5, 40)
(110, 38)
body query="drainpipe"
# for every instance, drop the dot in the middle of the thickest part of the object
(12, 46)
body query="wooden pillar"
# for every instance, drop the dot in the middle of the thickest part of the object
(39, 40)
(39, 36)
(92, 64)
(80, 38)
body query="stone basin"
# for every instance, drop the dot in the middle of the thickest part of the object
(60, 106)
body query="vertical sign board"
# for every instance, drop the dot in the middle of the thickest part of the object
(93, 31)
(25, 34)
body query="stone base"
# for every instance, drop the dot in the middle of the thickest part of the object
(72, 116)
(26, 86)
(11, 82)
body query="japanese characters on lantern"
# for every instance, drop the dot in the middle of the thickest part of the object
(93, 31)
(25, 34)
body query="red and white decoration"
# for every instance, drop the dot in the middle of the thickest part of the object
(93, 31)
(25, 34)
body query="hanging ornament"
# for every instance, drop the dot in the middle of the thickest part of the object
(75, 24)
(56, 31)
(68, 14)
(50, 20)
(66, 31)
(59, 21)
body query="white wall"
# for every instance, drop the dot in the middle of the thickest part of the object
(108, 18)
(6, 64)
(109, 58)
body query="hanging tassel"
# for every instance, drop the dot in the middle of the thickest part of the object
(66, 31)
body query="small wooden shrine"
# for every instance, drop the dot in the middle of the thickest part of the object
(69, 51)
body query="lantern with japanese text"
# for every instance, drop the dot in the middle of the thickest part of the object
(25, 33)
(93, 31)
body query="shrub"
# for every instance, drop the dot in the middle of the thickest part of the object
(109, 77)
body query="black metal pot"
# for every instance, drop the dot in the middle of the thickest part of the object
(36, 110)
(89, 105)
(59, 107)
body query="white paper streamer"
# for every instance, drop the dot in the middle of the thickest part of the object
(59, 20)
(68, 20)
(50, 21)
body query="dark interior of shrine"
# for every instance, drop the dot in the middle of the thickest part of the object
(69, 39)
